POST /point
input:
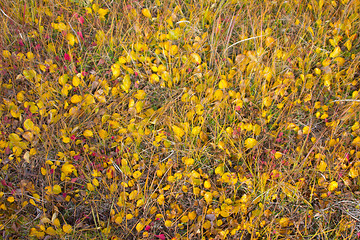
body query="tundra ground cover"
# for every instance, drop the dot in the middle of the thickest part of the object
(179, 119)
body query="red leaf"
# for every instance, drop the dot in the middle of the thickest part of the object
(81, 20)
(67, 57)
(161, 236)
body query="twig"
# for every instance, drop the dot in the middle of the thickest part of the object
(76, 35)
(9, 17)
(171, 153)
(244, 40)
(183, 21)
(346, 100)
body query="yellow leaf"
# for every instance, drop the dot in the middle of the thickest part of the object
(192, 215)
(100, 98)
(88, 99)
(218, 95)
(284, 222)
(267, 73)
(226, 177)
(140, 203)
(131, 103)
(29, 74)
(317, 71)
(221, 145)
(322, 166)
(310, 30)
(95, 182)
(126, 83)
(14, 138)
(140, 226)
(179, 132)
(56, 189)
(224, 213)
(353, 173)
(154, 78)
(115, 91)
(332, 186)
(161, 199)
(118, 220)
(51, 231)
(90, 187)
(199, 109)
(71, 39)
(6, 54)
(278, 155)
(335, 53)
(223, 84)
(208, 197)
(76, 99)
(88, 133)
(67, 168)
(102, 13)
(196, 191)
(340, 61)
(20, 96)
(355, 142)
(168, 223)
(306, 130)
(55, 221)
(250, 143)
(207, 224)
(185, 97)
(103, 134)
(100, 37)
(10, 199)
(28, 124)
(62, 26)
(137, 174)
(348, 44)
(36, 233)
(195, 58)
(139, 106)
(15, 114)
(63, 79)
(184, 219)
(326, 62)
(146, 13)
(207, 184)
(154, 68)
(115, 68)
(133, 194)
(188, 161)
(269, 42)
(196, 130)
(267, 101)
(219, 170)
(122, 60)
(67, 228)
(256, 129)
(173, 50)
(327, 79)
(17, 151)
(76, 81)
(140, 94)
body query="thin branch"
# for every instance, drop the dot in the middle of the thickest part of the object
(244, 40)
(9, 17)
(346, 100)
(76, 35)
